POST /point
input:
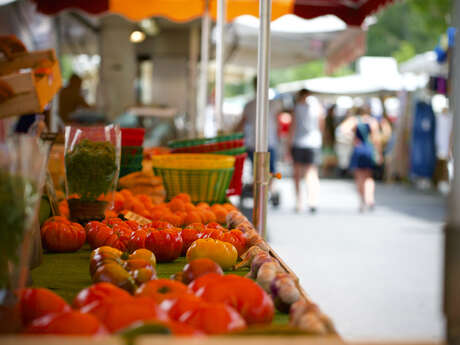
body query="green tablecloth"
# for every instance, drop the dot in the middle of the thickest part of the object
(67, 273)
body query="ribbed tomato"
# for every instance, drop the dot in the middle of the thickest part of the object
(117, 314)
(61, 235)
(37, 302)
(180, 304)
(161, 289)
(165, 244)
(236, 238)
(190, 234)
(137, 239)
(214, 318)
(100, 234)
(97, 292)
(248, 298)
(67, 323)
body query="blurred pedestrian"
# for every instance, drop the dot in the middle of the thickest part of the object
(366, 154)
(306, 141)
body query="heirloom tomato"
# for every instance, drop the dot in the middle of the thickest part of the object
(165, 244)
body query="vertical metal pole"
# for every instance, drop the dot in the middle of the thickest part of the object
(55, 103)
(220, 47)
(261, 156)
(203, 86)
(452, 230)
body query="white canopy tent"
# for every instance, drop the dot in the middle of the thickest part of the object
(425, 63)
(293, 41)
(375, 75)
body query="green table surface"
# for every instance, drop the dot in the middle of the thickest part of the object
(68, 273)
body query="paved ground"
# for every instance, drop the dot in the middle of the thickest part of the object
(378, 275)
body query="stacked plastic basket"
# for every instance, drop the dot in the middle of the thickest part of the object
(132, 150)
(232, 144)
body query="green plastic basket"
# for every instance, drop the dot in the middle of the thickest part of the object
(175, 144)
(202, 185)
(232, 152)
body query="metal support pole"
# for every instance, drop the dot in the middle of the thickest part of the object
(220, 47)
(203, 85)
(54, 113)
(452, 230)
(262, 156)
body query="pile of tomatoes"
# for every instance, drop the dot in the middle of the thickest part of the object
(211, 304)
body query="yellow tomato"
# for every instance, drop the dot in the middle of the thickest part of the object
(223, 253)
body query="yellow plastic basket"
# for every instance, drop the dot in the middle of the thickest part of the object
(208, 185)
(193, 161)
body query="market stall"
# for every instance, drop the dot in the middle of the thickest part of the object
(201, 226)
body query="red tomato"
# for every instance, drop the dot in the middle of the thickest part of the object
(37, 302)
(236, 238)
(215, 318)
(200, 283)
(62, 236)
(117, 314)
(99, 291)
(215, 225)
(248, 298)
(161, 289)
(190, 234)
(116, 222)
(216, 234)
(132, 224)
(199, 267)
(100, 234)
(160, 225)
(180, 304)
(137, 239)
(68, 323)
(165, 244)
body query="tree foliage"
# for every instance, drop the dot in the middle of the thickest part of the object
(408, 28)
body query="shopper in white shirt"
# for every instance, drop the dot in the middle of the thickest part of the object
(306, 142)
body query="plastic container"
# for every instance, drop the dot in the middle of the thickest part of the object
(132, 136)
(207, 185)
(236, 184)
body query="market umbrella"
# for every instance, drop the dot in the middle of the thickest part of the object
(353, 12)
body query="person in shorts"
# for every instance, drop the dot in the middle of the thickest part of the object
(306, 142)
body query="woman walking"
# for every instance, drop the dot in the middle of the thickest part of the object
(306, 141)
(366, 154)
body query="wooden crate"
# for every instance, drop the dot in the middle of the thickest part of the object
(32, 93)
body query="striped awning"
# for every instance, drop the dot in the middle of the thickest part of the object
(353, 12)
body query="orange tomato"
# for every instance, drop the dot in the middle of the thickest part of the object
(176, 205)
(184, 197)
(192, 217)
(161, 289)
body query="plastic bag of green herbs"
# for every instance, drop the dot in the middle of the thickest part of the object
(91, 169)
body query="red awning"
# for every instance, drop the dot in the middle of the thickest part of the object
(353, 12)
